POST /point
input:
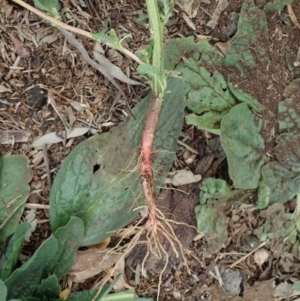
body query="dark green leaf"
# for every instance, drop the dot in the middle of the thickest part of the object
(176, 49)
(69, 239)
(3, 290)
(99, 181)
(48, 288)
(14, 189)
(13, 250)
(244, 146)
(25, 279)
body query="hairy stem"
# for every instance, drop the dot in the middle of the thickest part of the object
(146, 156)
(146, 172)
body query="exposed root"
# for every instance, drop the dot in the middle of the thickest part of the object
(155, 232)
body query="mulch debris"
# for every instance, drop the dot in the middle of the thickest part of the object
(81, 97)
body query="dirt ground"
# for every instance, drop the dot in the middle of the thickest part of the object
(87, 99)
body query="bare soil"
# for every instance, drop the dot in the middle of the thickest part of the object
(57, 67)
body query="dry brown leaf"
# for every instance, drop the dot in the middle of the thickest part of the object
(189, 6)
(91, 262)
(4, 89)
(113, 70)
(221, 6)
(182, 177)
(71, 115)
(55, 138)
(48, 39)
(261, 256)
(79, 107)
(120, 269)
(7, 9)
(11, 136)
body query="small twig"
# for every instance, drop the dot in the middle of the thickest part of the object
(73, 29)
(16, 63)
(247, 255)
(36, 206)
(188, 147)
(4, 102)
(46, 160)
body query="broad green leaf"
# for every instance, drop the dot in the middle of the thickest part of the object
(14, 189)
(251, 35)
(177, 49)
(277, 5)
(244, 146)
(289, 116)
(215, 197)
(24, 280)
(279, 184)
(13, 250)
(49, 288)
(99, 181)
(69, 239)
(3, 290)
(207, 92)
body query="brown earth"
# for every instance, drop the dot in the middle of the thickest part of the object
(58, 68)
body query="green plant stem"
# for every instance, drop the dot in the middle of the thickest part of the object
(156, 28)
(82, 32)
